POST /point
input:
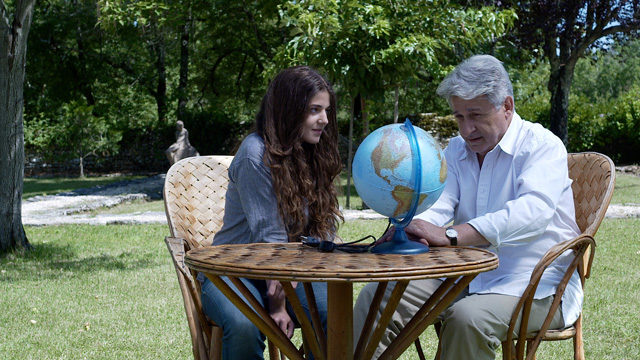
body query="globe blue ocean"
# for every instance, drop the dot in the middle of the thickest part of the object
(384, 172)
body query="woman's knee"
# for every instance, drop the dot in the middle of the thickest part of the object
(242, 328)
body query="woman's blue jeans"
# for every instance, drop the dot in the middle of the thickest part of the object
(241, 339)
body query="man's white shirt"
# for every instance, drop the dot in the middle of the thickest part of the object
(521, 202)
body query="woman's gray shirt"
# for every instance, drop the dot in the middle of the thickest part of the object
(251, 208)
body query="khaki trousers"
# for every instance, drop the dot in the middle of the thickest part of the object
(473, 326)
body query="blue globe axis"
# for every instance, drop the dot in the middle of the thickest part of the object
(399, 170)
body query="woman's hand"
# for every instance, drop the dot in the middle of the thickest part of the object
(277, 307)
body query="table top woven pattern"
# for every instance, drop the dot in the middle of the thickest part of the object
(297, 262)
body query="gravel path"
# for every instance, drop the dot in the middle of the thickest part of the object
(72, 207)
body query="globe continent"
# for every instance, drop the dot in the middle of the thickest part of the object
(384, 175)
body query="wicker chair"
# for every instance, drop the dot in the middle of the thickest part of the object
(194, 196)
(593, 177)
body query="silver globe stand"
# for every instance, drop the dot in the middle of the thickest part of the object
(400, 243)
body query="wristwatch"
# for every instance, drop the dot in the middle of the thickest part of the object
(452, 235)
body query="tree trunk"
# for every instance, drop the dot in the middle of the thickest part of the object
(13, 55)
(559, 86)
(364, 116)
(161, 92)
(350, 154)
(358, 113)
(396, 97)
(81, 167)
(184, 66)
(159, 48)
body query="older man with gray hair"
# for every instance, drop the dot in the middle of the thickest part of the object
(508, 190)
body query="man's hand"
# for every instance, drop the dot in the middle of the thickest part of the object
(420, 231)
(427, 233)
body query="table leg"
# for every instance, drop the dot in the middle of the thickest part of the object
(437, 303)
(385, 318)
(257, 314)
(340, 320)
(310, 329)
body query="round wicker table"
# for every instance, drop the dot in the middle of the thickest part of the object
(294, 262)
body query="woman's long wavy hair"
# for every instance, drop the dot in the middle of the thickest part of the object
(302, 173)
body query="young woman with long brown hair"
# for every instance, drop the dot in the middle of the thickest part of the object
(281, 188)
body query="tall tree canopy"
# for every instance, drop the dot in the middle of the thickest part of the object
(370, 46)
(566, 30)
(15, 23)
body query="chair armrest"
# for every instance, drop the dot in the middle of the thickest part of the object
(190, 287)
(178, 247)
(579, 246)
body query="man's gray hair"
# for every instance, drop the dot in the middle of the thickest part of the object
(478, 75)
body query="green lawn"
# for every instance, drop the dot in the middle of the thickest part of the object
(110, 292)
(627, 189)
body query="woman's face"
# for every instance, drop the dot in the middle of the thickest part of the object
(317, 117)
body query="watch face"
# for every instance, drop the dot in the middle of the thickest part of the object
(451, 233)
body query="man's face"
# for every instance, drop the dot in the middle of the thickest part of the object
(481, 125)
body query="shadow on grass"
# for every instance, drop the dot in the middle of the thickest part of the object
(48, 261)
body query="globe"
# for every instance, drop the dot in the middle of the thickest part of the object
(399, 171)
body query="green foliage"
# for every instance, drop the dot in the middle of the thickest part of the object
(120, 62)
(76, 99)
(605, 103)
(372, 48)
(84, 132)
(373, 44)
(530, 91)
(442, 128)
(611, 127)
(608, 74)
(215, 133)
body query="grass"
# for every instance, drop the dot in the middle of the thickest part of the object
(97, 292)
(110, 292)
(130, 207)
(48, 186)
(627, 189)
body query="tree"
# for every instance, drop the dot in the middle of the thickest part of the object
(81, 133)
(74, 64)
(14, 30)
(566, 30)
(148, 19)
(372, 46)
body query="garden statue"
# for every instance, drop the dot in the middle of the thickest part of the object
(181, 148)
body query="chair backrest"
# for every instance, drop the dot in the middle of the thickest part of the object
(194, 196)
(593, 177)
